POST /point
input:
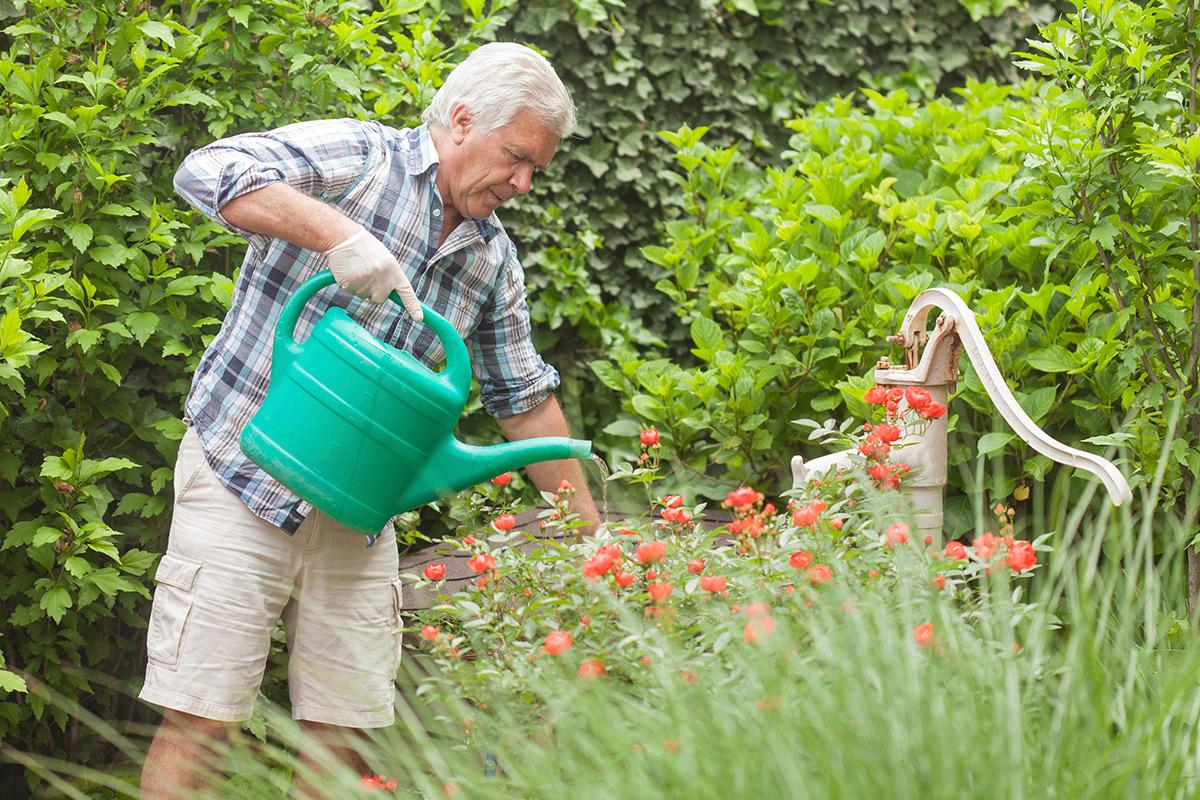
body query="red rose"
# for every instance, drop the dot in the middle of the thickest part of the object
(678, 515)
(429, 633)
(923, 634)
(985, 546)
(558, 642)
(504, 522)
(591, 669)
(918, 399)
(1021, 556)
(713, 583)
(759, 628)
(956, 551)
(876, 395)
(695, 566)
(597, 565)
(939, 582)
(800, 559)
(896, 534)
(650, 437)
(819, 574)
(659, 592)
(887, 433)
(673, 501)
(742, 497)
(650, 552)
(503, 479)
(934, 411)
(435, 572)
(805, 516)
(624, 578)
(482, 562)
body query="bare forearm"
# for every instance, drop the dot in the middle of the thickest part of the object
(283, 212)
(548, 420)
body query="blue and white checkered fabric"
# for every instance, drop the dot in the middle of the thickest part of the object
(383, 178)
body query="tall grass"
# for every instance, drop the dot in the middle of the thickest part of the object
(1086, 685)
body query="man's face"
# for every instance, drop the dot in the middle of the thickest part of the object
(483, 170)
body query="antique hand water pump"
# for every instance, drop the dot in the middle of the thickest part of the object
(931, 362)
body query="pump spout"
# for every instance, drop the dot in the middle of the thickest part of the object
(455, 466)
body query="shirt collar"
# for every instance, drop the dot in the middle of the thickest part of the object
(423, 158)
(422, 155)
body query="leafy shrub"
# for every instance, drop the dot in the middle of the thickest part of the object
(789, 279)
(109, 292)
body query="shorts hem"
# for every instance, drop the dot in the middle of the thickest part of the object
(176, 701)
(343, 718)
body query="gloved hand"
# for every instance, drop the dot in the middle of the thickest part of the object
(362, 265)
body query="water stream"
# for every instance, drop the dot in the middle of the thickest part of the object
(604, 473)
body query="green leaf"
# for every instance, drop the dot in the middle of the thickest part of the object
(157, 30)
(1054, 358)
(78, 567)
(707, 334)
(80, 234)
(1037, 404)
(45, 535)
(1111, 439)
(110, 372)
(84, 338)
(142, 325)
(109, 581)
(608, 375)
(345, 80)
(11, 682)
(55, 603)
(138, 52)
(30, 219)
(624, 427)
(176, 347)
(241, 14)
(992, 442)
(117, 210)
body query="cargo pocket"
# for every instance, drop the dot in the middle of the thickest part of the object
(173, 599)
(397, 625)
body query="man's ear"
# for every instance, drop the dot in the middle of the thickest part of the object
(460, 123)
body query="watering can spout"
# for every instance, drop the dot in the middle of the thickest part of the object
(456, 466)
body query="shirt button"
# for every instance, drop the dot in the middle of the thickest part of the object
(437, 212)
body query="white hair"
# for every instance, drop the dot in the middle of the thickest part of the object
(497, 81)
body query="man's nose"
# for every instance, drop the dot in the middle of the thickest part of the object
(522, 179)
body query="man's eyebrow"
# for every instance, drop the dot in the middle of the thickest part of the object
(524, 155)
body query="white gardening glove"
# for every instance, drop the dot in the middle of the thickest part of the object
(363, 266)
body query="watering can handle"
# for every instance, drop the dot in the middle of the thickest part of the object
(458, 363)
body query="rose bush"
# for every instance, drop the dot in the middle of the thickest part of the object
(615, 605)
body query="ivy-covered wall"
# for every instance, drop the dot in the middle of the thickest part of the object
(739, 68)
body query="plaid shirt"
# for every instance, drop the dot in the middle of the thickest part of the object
(382, 178)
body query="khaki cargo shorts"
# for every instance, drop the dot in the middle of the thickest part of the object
(228, 577)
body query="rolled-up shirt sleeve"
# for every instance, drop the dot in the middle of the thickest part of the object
(323, 159)
(512, 376)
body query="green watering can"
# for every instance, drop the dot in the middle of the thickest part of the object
(364, 431)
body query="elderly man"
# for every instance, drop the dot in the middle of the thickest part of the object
(384, 209)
